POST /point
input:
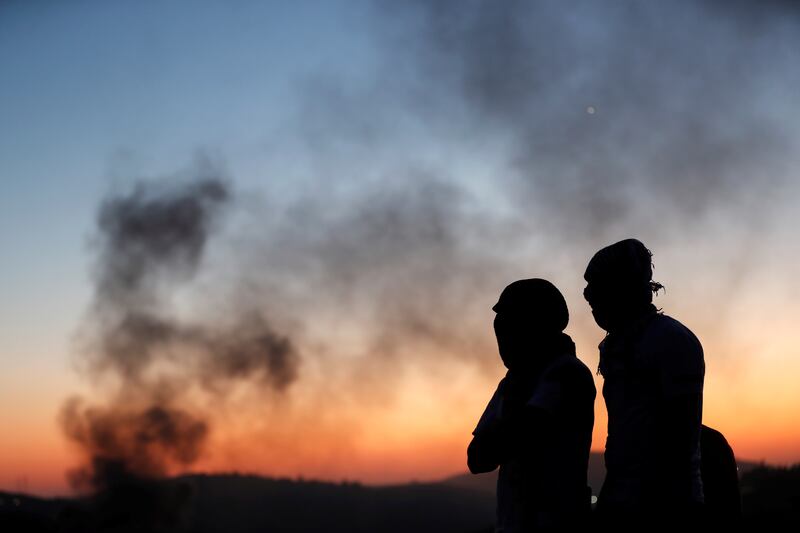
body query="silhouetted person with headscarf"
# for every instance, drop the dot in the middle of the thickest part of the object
(653, 372)
(538, 425)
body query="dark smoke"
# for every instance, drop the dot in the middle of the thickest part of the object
(125, 442)
(500, 140)
(612, 113)
(150, 234)
(396, 261)
(151, 242)
(589, 123)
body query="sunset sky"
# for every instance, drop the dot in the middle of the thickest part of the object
(391, 168)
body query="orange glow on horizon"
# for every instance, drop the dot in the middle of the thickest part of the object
(421, 429)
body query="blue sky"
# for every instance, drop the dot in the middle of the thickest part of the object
(93, 91)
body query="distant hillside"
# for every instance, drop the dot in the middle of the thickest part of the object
(234, 504)
(238, 504)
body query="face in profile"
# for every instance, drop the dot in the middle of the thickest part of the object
(529, 312)
(615, 301)
(600, 297)
(619, 283)
(511, 335)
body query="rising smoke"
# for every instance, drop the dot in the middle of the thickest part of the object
(151, 240)
(493, 141)
(498, 140)
(612, 114)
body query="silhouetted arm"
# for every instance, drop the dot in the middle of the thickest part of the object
(522, 435)
(483, 452)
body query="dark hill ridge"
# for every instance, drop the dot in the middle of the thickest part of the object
(238, 503)
(246, 503)
(234, 503)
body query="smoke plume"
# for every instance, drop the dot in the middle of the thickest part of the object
(151, 241)
(487, 142)
(610, 114)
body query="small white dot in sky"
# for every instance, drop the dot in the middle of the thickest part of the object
(591, 110)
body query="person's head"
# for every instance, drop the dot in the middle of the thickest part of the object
(529, 312)
(620, 283)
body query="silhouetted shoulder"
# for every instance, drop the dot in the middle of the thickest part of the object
(674, 353)
(567, 381)
(574, 373)
(664, 328)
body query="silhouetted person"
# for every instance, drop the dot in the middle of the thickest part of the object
(538, 425)
(723, 500)
(653, 372)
